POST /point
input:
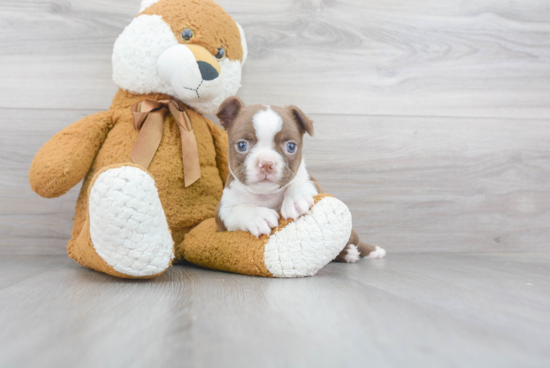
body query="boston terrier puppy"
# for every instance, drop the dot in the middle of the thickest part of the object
(268, 172)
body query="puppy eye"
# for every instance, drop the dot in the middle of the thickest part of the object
(291, 147)
(242, 146)
(187, 34)
(221, 53)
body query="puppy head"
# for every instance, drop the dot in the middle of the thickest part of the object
(191, 50)
(265, 142)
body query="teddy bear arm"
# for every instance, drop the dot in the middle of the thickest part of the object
(66, 158)
(220, 142)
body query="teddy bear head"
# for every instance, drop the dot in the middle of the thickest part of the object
(189, 49)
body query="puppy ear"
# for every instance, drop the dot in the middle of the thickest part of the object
(305, 123)
(228, 111)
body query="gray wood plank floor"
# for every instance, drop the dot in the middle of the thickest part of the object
(409, 310)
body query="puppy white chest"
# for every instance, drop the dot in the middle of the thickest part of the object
(239, 193)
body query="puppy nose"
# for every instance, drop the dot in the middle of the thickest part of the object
(207, 71)
(266, 166)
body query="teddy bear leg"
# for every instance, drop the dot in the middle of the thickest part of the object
(126, 233)
(294, 249)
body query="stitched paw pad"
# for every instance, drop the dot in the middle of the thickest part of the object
(306, 245)
(128, 226)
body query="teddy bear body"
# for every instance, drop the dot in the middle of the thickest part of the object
(185, 207)
(134, 218)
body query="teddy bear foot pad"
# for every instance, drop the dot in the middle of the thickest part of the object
(128, 227)
(306, 245)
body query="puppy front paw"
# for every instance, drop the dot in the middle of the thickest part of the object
(262, 221)
(293, 207)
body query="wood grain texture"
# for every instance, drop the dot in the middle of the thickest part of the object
(438, 184)
(484, 59)
(431, 117)
(412, 184)
(28, 223)
(415, 310)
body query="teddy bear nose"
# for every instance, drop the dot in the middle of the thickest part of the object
(207, 71)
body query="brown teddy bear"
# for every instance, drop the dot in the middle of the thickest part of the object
(154, 168)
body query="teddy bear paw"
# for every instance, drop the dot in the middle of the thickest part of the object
(307, 244)
(128, 227)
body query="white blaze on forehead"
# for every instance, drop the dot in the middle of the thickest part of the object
(267, 123)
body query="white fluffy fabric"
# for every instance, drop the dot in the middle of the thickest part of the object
(136, 53)
(243, 44)
(306, 245)
(178, 69)
(230, 84)
(147, 3)
(147, 58)
(128, 226)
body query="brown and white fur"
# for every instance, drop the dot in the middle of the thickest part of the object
(268, 172)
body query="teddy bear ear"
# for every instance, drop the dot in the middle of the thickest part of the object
(228, 111)
(147, 3)
(305, 123)
(243, 44)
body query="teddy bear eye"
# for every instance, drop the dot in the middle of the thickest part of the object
(221, 53)
(187, 34)
(242, 146)
(291, 147)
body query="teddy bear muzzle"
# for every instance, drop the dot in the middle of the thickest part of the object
(192, 71)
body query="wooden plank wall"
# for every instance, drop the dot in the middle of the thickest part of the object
(431, 116)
